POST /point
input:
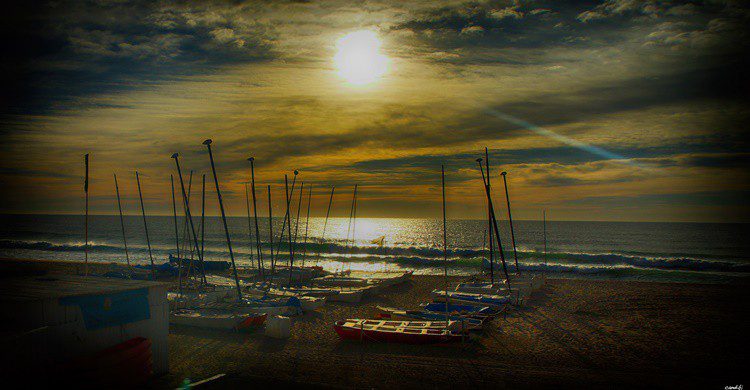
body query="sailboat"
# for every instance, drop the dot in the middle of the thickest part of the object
(206, 318)
(407, 332)
(403, 332)
(468, 323)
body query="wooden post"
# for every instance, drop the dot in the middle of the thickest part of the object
(145, 226)
(224, 218)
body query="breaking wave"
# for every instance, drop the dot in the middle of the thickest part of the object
(420, 257)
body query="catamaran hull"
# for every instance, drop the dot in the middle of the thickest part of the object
(354, 333)
(222, 322)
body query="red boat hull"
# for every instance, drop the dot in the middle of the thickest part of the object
(251, 322)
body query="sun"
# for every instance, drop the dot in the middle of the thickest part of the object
(358, 57)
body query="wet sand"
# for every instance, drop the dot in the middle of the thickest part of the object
(572, 333)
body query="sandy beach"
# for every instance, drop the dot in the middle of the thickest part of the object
(571, 333)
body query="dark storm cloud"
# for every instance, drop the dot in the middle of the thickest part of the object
(727, 81)
(498, 24)
(463, 33)
(660, 155)
(36, 173)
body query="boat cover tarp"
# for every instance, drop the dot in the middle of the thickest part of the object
(118, 308)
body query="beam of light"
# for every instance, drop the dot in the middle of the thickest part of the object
(561, 138)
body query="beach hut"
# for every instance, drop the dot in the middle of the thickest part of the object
(86, 326)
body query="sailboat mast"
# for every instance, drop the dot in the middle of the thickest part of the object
(307, 225)
(176, 235)
(299, 207)
(544, 230)
(510, 220)
(86, 218)
(445, 247)
(286, 214)
(203, 227)
(325, 224)
(249, 225)
(351, 214)
(188, 215)
(255, 213)
(494, 224)
(270, 229)
(489, 219)
(292, 244)
(224, 218)
(354, 221)
(186, 229)
(122, 221)
(286, 189)
(145, 226)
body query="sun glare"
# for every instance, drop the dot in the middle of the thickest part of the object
(358, 57)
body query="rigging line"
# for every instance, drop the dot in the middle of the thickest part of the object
(145, 226)
(325, 224)
(122, 222)
(287, 212)
(296, 230)
(224, 218)
(255, 213)
(249, 226)
(307, 225)
(176, 235)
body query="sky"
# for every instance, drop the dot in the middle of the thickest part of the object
(615, 110)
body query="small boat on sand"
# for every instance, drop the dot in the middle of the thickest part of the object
(477, 311)
(206, 318)
(497, 301)
(467, 323)
(341, 281)
(311, 303)
(348, 295)
(405, 332)
(208, 265)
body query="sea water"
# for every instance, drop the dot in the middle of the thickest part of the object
(695, 252)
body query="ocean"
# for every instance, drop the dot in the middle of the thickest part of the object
(675, 252)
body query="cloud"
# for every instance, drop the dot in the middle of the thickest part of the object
(661, 83)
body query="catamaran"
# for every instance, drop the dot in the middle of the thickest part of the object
(405, 332)
(468, 323)
(205, 318)
(497, 301)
